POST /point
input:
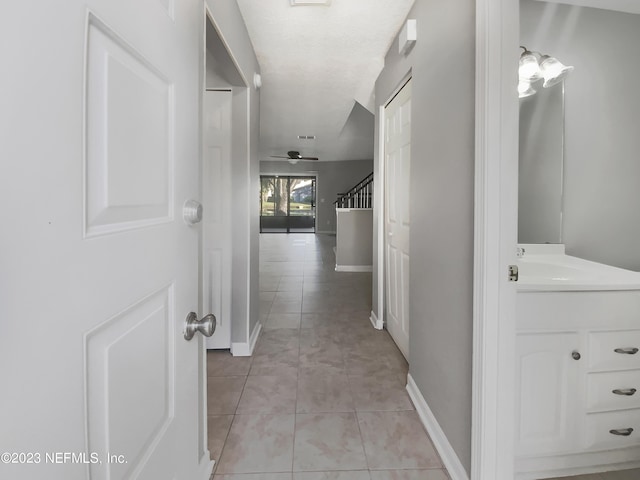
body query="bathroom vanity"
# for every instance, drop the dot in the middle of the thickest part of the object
(578, 365)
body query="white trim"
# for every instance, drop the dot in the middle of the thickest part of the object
(206, 468)
(495, 220)
(377, 323)
(440, 441)
(244, 349)
(249, 219)
(227, 47)
(354, 268)
(378, 186)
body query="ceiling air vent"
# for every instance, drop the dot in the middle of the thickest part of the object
(306, 137)
(300, 3)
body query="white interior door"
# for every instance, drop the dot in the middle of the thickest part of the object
(100, 145)
(215, 277)
(397, 155)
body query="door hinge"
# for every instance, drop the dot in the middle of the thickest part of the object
(513, 273)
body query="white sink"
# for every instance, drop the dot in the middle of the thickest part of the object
(548, 268)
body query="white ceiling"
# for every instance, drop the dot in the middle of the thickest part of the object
(319, 65)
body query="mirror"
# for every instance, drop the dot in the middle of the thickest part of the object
(541, 164)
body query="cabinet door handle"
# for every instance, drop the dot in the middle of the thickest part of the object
(628, 351)
(624, 391)
(624, 432)
(575, 355)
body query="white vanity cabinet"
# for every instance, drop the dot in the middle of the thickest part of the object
(547, 391)
(578, 382)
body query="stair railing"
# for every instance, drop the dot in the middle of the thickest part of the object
(359, 196)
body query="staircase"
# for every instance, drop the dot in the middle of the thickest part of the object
(359, 196)
(354, 228)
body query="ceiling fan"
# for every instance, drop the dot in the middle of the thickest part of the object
(293, 157)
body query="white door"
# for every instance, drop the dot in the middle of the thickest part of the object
(397, 155)
(100, 145)
(215, 277)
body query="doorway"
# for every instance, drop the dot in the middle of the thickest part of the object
(287, 204)
(397, 158)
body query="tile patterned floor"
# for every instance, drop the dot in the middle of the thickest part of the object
(323, 396)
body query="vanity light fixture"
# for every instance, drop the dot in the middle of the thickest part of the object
(533, 66)
(525, 89)
(528, 67)
(553, 71)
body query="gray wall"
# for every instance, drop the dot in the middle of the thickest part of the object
(442, 177)
(602, 104)
(245, 172)
(353, 239)
(333, 178)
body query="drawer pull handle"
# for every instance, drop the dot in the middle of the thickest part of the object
(628, 351)
(624, 432)
(624, 391)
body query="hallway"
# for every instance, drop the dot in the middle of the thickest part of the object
(323, 396)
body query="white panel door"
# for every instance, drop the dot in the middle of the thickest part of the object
(100, 146)
(397, 155)
(215, 280)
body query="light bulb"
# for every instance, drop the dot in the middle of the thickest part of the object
(525, 89)
(529, 69)
(553, 71)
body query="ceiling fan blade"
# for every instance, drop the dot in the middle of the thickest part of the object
(278, 156)
(308, 158)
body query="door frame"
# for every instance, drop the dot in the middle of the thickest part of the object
(379, 204)
(383, 169)
(243, 339)
(495, 239)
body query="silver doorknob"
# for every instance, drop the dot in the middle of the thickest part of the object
(206, 326)
(192, 212)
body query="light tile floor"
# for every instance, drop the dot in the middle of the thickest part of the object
(323, 397)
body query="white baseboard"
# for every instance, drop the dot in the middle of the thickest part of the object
(447, 453)
(245, 349)
(375, 321)
(206, 469)
(354, 268)
(326, 232)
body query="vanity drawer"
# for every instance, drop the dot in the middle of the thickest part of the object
(599, 426)
(601, 387)
(614, 350)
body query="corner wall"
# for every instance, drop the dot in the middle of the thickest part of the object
(442, 64)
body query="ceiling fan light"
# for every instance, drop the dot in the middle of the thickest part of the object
(553, 71)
